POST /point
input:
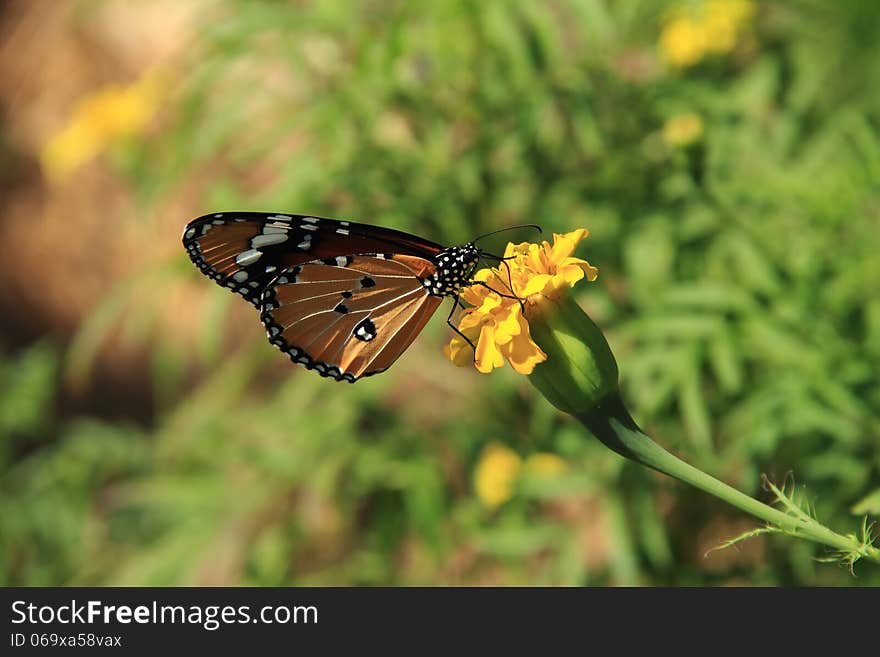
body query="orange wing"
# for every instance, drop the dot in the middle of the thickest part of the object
(350, 316)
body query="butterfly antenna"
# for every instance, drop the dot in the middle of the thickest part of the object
(502, 230)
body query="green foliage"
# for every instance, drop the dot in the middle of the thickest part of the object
(738, 288)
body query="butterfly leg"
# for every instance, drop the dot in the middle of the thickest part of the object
(503, 261)
(509, 275)
(455, 328)
(522, 303)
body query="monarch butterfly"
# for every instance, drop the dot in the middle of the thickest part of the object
(341, 298)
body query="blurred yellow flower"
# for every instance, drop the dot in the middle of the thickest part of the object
(683, 130)
(544, 464)
(698, 29)
(682, 42)
(496, 323)
(495, 474)
(101, 119)
(499, 467)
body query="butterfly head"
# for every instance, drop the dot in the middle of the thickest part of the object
(455, 268)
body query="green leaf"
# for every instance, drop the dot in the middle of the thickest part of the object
(869, 504)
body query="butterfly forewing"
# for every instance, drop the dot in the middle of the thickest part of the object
(349, 316)
(244, 251)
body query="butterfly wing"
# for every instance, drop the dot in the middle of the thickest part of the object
(348, 317)
(244, 251)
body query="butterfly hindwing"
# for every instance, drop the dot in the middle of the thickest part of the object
(244, 251)
(349, 317)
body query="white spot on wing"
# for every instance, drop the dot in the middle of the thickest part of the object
(342, 231)
(248, 257)
(240, 276)
(190, 233)
(269, 229)
(309, 227)
(311, 220)
(266, 240)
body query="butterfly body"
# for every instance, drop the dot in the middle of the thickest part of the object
(342, 298)
(453, 269)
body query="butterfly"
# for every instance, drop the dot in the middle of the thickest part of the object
(342, 298)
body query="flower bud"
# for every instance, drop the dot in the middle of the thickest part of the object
(580, 370)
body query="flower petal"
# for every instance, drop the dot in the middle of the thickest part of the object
(522, 352)
(565, 244)
(488, 357)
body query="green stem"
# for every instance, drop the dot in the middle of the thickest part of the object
(612, 424)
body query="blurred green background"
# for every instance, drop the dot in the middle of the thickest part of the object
(724, 154)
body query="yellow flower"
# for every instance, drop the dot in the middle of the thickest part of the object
(101, 119)
(683, 130)
(543, 464)
(694, 31)
(682, 42)
(495, 323)
(495, 474)
(499, 468)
